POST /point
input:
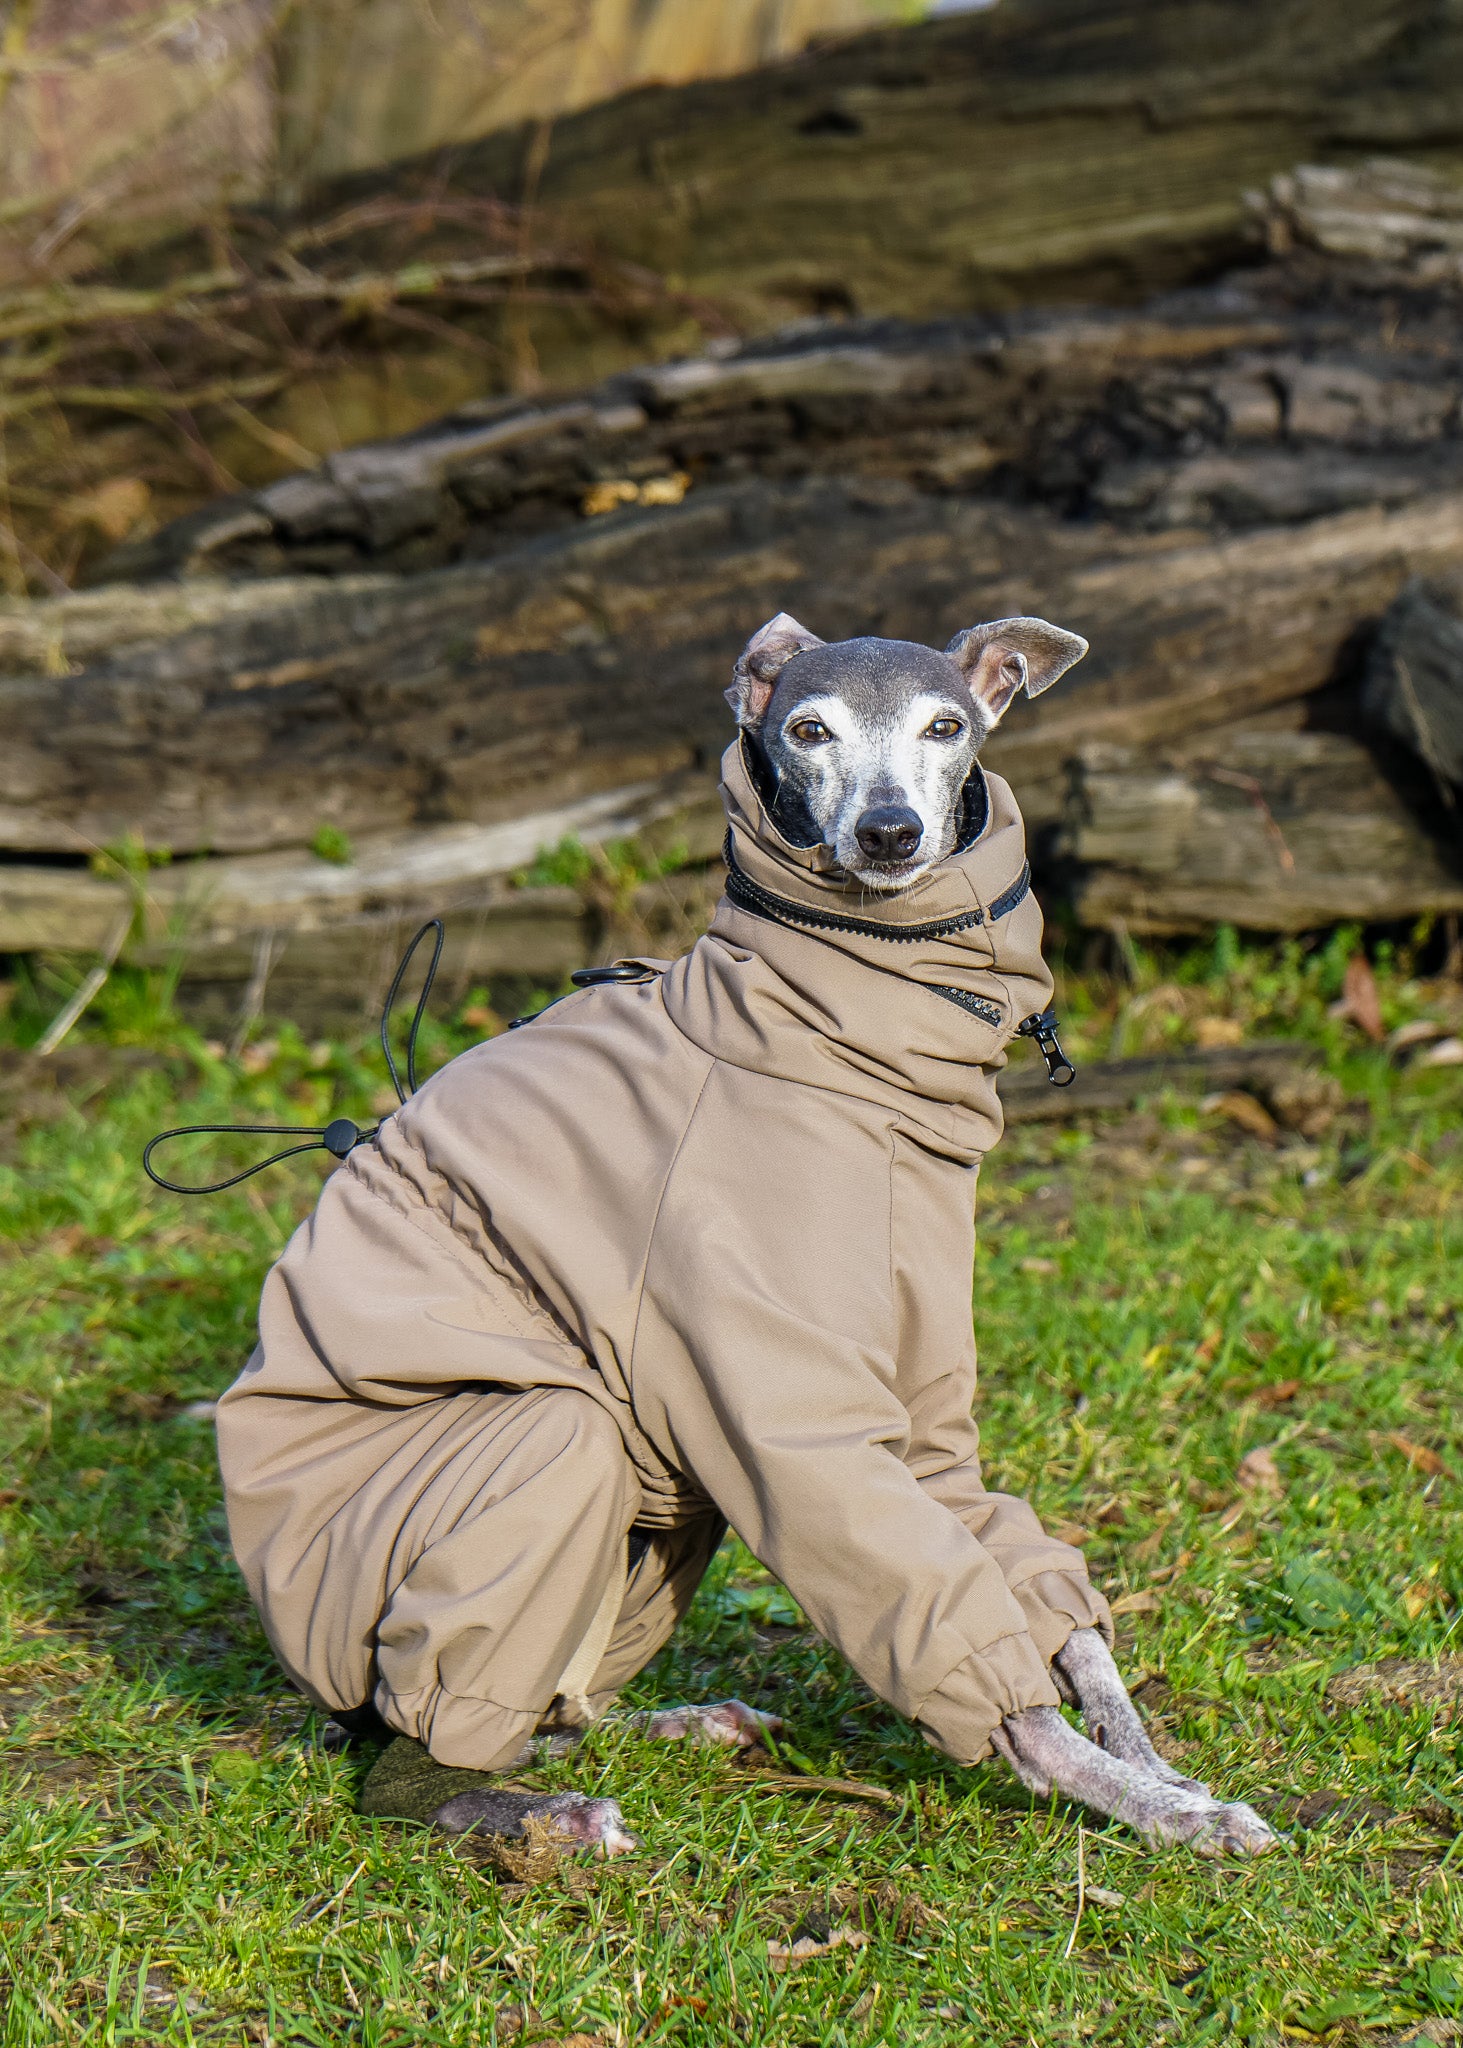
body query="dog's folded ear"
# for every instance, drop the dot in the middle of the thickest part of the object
(1007, 655)
(760, 663)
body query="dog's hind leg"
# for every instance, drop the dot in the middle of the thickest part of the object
(729, 1723)
(1049, 1756)
(408, 1784)
(1096, 1686)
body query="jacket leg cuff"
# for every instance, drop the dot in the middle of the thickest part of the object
(1005, 1677)
(1056, 1603)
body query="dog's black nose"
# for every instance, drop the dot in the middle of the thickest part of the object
(889, 832)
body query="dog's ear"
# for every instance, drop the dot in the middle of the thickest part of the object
(760, 663)
(1007, 655)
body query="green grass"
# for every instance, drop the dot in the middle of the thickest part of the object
(181, 1857)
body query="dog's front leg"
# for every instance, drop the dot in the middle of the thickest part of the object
(1049, 1756)
(1094, 1683)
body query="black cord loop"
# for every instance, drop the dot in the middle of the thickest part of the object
(433, 924)
(341, 1135)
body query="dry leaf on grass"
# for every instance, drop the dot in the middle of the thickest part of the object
(1135, 1603)
(1420, 1031)
(1360, 1002)
(782, 1955)
(1099, 1895)
(1038, 1265)
(1212, 1032)
(1257, 1472)
(1420, 1595)
(1419, 1457)
(1276, 1394)
(844, 1788)
(1245, 1110)
(1448, 1052)
(1073, 1533)
(514, 2020)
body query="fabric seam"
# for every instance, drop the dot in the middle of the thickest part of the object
(651, 1234)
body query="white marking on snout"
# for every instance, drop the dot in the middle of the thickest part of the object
(888, 760)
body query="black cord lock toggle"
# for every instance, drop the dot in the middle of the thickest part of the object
(1042, 1026)
(339, 1137)
(618, 970)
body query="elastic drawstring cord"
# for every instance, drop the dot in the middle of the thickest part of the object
(342, 1135)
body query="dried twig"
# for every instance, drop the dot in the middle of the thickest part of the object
(848, 1788)
(253, 1003)
(89, 989)
(1256, 795)
(1081, 1892)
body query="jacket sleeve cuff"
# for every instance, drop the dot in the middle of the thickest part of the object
(1057, 1602)
(1004, 1678)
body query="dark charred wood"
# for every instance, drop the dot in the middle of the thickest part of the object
(439, 636)
(1414, 681)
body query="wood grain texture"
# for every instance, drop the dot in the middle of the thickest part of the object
(427, 641)
(1070, 146)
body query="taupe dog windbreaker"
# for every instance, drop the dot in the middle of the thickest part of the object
(699, 1243)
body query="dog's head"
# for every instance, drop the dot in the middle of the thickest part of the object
(867, 745)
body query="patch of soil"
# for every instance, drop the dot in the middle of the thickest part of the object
(1329, 1807)
(40, 1776)
(1401, 1682)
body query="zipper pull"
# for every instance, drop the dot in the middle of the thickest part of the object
(1042, 1026)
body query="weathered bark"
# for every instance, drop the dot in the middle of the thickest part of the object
(1270, 829)
(1057, 145)
(597, 660)
(427, 640)
(1048, 149)
(1414, 681)
(1195, 488)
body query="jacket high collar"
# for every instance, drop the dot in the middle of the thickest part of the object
(907, 1000)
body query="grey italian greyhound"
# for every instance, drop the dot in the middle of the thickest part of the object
(867, 746)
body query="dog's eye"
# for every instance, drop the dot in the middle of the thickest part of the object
(811, 731)
(944, 729)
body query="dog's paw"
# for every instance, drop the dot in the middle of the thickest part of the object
(728, 1723)
(1235, 1830)
(570, 1819)
(1210, 1827)
(596, 1824)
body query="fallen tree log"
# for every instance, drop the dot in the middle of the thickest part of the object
(597, 659)
(1271, 830)
(431, 641)
(1196, 488)
(1414, 681)
(1042, 150)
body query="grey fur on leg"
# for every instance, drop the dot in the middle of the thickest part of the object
(1094, 1683)
(569, 1817)
(729, 1723)
(1049, 1756)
